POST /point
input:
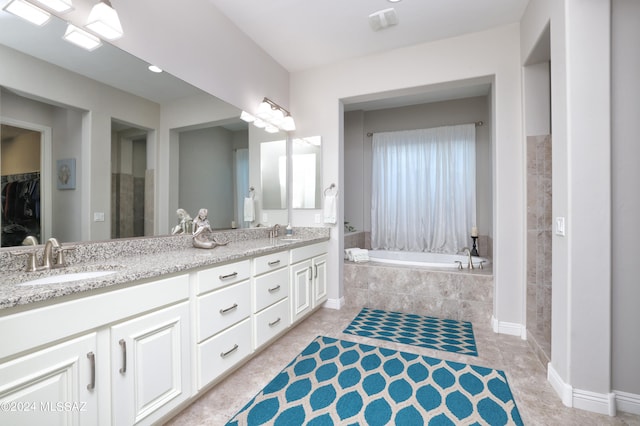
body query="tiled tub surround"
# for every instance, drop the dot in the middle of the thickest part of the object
(539, 233)
(136, 259)
(461, 295)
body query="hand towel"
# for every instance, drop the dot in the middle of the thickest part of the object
(330, 208)
(249, 210)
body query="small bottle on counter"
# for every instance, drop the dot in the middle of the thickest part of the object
(289, 230)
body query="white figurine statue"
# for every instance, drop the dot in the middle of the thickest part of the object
(184, 223)
(201, 231)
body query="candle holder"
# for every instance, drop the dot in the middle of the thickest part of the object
(474, 250)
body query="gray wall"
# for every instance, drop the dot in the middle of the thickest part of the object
(625, 195)
(357, 149)
(206, 174)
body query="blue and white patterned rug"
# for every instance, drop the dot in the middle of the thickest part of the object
(427, 332)
(336, 382)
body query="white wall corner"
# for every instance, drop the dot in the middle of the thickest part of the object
(564, 390)
(334, 303)
(510, 328)
(627, 402)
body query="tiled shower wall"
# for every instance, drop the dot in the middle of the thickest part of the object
(539, 231)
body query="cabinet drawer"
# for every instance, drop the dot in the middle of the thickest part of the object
(270, 288)
(271, 322)
(271, 262)
(307, 252)
(223, 275)
(223, 308)
(220, 353)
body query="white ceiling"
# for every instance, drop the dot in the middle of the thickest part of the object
(302, 34)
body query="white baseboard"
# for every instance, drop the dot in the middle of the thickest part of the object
(564, 391)
(510, 328)
(602, 403)
(334, 303)
(627, 402)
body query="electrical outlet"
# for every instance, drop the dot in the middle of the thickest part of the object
(98, 216)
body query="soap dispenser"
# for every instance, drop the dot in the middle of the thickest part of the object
(289, 230)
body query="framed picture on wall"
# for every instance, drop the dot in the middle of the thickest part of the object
(66, 173)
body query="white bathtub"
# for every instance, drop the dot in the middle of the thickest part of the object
(435, 260)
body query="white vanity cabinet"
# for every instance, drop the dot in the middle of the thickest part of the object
(150, 365)
(77, 381)
(271, 296)
(223, 319)
(308, 279)
(55, 385)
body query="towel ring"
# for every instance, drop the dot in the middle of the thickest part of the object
(332, 186)
(251, 193)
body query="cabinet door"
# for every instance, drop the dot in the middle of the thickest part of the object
(319, 279)
(301, 277)
(54, 386)
(150, 365)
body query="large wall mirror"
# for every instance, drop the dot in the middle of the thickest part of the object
(306, 171)
(107, 114)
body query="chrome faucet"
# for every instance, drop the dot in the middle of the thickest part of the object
(466, 251)
(48, 257)
(273, 232)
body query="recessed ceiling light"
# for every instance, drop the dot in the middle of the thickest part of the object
(154, 68)
(394, 1)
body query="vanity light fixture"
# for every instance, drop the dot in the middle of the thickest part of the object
(81, 38)
(271, 116)
(103, 20)
(60, 6)
(27, 11)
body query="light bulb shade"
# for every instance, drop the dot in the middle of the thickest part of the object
(264, 111)
(271, 129)
(247, 117)
(277, 116)
(61, 6)
(288, 125)
(103, 20)
(28, 12)
(81, 38)
(259, 123)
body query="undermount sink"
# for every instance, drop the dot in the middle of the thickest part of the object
(69, 277)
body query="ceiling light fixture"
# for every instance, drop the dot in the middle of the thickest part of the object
(155, 68)
(103, 20)
(60, 6)
(271, 116)
(28, 12)
(383, 19)
(81, 38)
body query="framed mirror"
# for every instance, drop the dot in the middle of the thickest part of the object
(306, 171)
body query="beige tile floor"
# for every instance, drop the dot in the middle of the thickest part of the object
(536, 400)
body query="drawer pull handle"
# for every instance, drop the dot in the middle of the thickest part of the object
(123, 345)
(226, 277)
(315, 274)
(310, 273)
(229, 309)
(271, 324)
(92, 359)
(276, 288)
(229, 352)
(274, 262)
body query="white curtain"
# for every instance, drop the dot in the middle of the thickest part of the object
(423, 189)
(242, 183)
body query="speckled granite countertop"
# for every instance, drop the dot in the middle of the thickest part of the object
(137, 259)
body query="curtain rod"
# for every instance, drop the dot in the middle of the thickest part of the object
(477, 123)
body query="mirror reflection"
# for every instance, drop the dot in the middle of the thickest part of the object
(273, 173)
(135, 137)
(306, 169)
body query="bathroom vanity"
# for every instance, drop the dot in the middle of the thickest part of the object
(167, 323)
